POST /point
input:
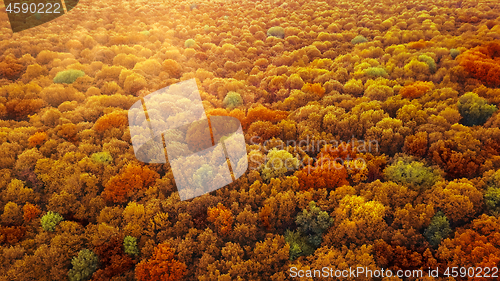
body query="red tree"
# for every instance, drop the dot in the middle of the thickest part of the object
(131, 179)
(162, 266)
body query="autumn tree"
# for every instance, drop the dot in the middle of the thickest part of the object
(363, 116)
(37, 139)
(417, 144)
(277, 212)
(270, 254)
(482, 63)
(356, 221)
(131, 178)
(222, 218)
(63, 203)
(263, 114)
(11, 234)
(329, 170)
(278, 163)
(389, 133)
(396, 257)
(416, 89)
(112, 258)
(161, 266)
(475, 246)
(342, 258)
(459, 200)
(12, 214)
(134, 219)
(11, 68)
(52, 259)
(412, 115)
(247, 228)
(261, 131)
(391, 194)
(408, 223)
(492, 200)
(30, 211)
(458, 152)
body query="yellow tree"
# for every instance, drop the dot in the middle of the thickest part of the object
(356, 221)
(459, 200)
(222, 218)
(343, 258)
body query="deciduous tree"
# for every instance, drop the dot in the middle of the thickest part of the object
(131, 178)
(222, 218)
(161, 266)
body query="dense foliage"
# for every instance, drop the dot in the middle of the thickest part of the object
(371, 128)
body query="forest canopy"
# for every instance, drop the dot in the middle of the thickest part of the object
(372, 132)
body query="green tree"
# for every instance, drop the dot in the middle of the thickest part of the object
(202, 176)
(474, 109)
(454, 53)
(299, 245)
(429, 61)
(189, 43)
(276, 31)
(492, 194)
(84, 265)
(50, 220)
(359, 39)
(103, 157)
(313, 223)
(68, 76)
(438, 229)
(232, 100)
(492, 200)
(494, 180)
(376, 72)
(130, 245)
(413, 173)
